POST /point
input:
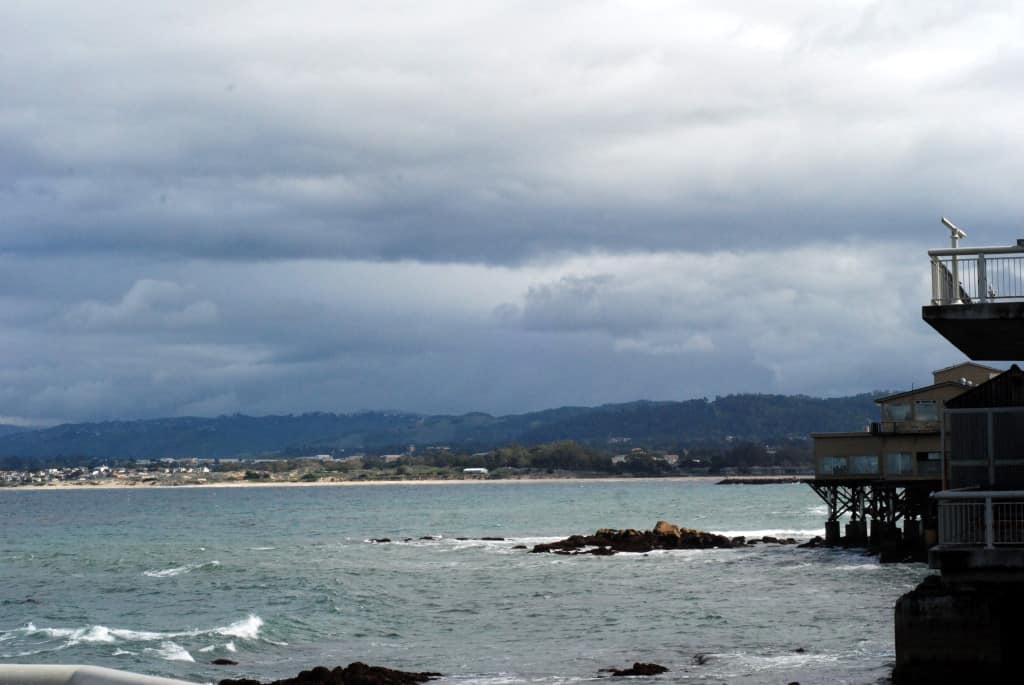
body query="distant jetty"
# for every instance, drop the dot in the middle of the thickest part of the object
(758, 480)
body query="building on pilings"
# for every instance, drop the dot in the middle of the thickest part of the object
(885, 474)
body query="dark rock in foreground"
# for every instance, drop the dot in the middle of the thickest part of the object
(224, 662)
(639, 669)
(609, 541)
(356, 673)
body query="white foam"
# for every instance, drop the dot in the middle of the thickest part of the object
(137, 635)
(777, 533)
(92, 635)
(122, 652)
(172, 651)
(761, 662)
(31, 629)
(246, 629)
(179, 570)
(208, 648)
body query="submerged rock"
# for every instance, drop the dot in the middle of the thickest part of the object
(356, 673)
(665, 535)
(639, 669)
(224, 662)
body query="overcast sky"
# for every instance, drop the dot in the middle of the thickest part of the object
(262, 207)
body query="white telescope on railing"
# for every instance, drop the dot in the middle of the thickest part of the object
(955, 234)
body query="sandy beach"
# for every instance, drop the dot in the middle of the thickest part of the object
(112, 484)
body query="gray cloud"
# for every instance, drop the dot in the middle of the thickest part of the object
(148, 303)
(211, 207)
(342, 336)
(237, 132)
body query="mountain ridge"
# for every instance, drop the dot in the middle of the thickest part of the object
(741, 416)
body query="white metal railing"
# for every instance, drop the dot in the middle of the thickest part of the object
(981, 517)
(977, 275)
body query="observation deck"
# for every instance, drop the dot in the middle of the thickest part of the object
(977, 300)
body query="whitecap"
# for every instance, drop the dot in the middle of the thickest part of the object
(137, 635)
(262, 549)
(179, 570)
(172, 651)
(208, 648)
(92, 634)
(31, 629)
(122, 652)
(246, 629)
(231, 647)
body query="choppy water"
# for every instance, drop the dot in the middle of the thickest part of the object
(281, 579)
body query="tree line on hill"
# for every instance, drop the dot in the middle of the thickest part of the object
(723, 424)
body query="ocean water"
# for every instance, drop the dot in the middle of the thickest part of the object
(280, 579)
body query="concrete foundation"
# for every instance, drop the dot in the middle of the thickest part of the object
(857, 533)
(832, 532)
(959, 633)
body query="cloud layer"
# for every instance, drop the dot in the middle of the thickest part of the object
(216, 207)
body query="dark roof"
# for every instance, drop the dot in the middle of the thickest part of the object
(1005, 390)
(975, 364)
(915, 391)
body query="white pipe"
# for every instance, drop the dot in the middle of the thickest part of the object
(979, 494)
(45, 674)
(967, 251)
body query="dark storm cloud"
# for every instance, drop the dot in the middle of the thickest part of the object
(496, 133)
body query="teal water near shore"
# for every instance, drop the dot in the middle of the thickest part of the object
(162, 581)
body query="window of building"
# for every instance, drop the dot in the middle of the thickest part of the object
(929, 464)
(926, 410)
(833, 466)
(896, 411)
(864, 464)
(899, 463)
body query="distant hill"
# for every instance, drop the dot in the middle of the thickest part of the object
(744, 417)
(7, 429)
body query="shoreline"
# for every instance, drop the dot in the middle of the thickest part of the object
(114, 485)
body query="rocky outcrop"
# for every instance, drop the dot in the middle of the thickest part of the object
(815, 542)
(356, 673)
(664, 535)
(639, 668)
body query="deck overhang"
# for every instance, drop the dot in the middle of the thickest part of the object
(985, 331)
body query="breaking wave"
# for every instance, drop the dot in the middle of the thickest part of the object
(54, 639)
